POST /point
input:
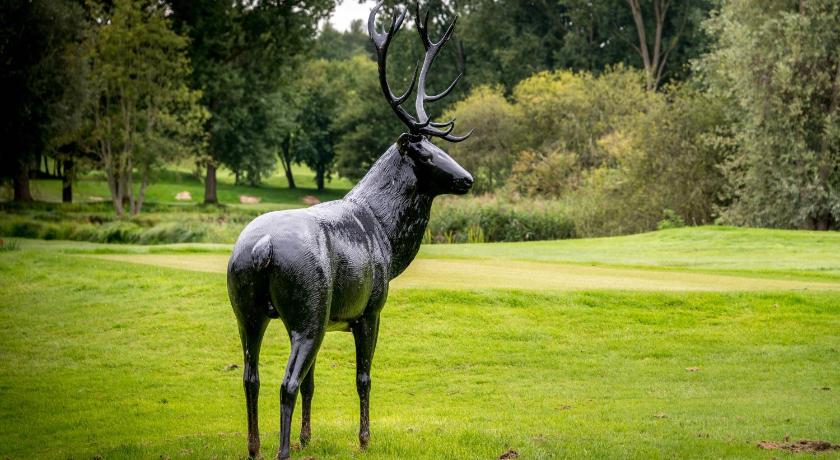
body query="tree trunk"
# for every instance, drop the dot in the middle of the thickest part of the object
(129, 187)
(22, 192)
(319, 178)
(113, 186)
(144, 181)
(210, 185)
(286, 160)
(290, 178)
(67, 182)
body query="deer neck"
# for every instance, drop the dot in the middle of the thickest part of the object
(390, 191)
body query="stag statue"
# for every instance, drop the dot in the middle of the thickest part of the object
(327, 268)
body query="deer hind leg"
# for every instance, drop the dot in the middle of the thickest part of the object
(251, 332)
(302, 356)
(307, 389)
(365, 332)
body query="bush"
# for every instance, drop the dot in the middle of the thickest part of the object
(489, 219)
(671, 220)
(173, 224)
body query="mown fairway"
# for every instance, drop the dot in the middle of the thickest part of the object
(677, 344)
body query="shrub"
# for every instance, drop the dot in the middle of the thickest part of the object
(671, 220)
(480, 219)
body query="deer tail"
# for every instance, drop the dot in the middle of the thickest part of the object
(261, 258)
(261, 252)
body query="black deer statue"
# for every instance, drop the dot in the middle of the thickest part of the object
(327, 268)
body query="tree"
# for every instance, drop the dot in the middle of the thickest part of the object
(365, 124)
(283, 129)
(321, 89)
(333, 45)
(141, 112)
(499, 136)
(659, 36)
(37, 80)
(505, 41)
(570, 112)
(242, 52)
(777, 65)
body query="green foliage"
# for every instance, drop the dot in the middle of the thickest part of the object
(605, 33)
(671, 220)
(8, 245)
(141, 112)
(332, 45)
(160, 224)
(498, 135)
(39, 82)
(320, 88)
(506, 41)
(242, 52)
(777, 67)
(616, 154)
(365, 124)
(480, 219)
(571, 112)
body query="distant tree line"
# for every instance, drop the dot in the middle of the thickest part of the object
(628, 111)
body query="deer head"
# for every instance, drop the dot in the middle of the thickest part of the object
(436, 171)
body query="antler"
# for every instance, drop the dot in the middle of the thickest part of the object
(422, 124)
(381, 42)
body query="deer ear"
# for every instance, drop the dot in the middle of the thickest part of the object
(404, 142)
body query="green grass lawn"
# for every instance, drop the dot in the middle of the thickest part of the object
(273, 191)
(108, 353)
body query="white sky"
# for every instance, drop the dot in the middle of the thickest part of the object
(349, 10)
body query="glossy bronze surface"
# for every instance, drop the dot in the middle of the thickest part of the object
(328, 267)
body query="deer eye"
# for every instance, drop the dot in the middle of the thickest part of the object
(425, 157)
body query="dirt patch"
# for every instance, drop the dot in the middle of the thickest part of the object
(249, 199)
(803, 445)
(509, 454)
(310, 200)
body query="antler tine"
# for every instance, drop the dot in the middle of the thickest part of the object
(405, 95)
(442, 125)
(423, 28)
(381, 41)
(452, 138)
(446, 91)
(438, 132)
(432, 50)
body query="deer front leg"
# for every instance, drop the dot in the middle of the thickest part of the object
(307, 389)
(365, 331)
(301, 358)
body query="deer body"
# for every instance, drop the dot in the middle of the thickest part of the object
(328, 267)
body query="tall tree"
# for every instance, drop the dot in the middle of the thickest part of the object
(777, 64)
(321, 86)
(498, 123)
(283, 127)
(365, 124)
(241, 51)
(36, 74)
(505, 41)
(658, 36)
(334, 45)
(141, 111)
